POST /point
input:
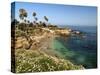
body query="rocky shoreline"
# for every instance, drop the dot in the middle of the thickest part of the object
(22, 42)
(41, 44)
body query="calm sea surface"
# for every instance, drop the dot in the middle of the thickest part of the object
(79, 49)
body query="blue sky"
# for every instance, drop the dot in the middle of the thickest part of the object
(60, 14)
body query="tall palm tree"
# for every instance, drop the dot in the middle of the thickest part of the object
(22, 14)
(34, 15)
(35, 19)
(46, 18)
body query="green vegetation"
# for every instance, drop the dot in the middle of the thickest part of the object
(38, 61)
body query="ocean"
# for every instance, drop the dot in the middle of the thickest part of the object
(80, 50)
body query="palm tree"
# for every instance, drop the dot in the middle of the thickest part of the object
(34, 15)
(46, 18)
(22, 14)
(35, 19)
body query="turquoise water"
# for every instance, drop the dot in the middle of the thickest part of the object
(62, 49)
(77, 49)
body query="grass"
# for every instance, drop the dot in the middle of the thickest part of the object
(38, 61)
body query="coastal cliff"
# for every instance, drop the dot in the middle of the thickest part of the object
(37, 55)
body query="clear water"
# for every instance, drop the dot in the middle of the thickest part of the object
(79, 49)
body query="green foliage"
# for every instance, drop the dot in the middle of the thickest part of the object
(46, 18)
(34, 14)
(22, 14)
(22, 26)
(36, 61)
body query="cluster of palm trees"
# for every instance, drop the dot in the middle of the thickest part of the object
(25, 25)
(23, 15)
